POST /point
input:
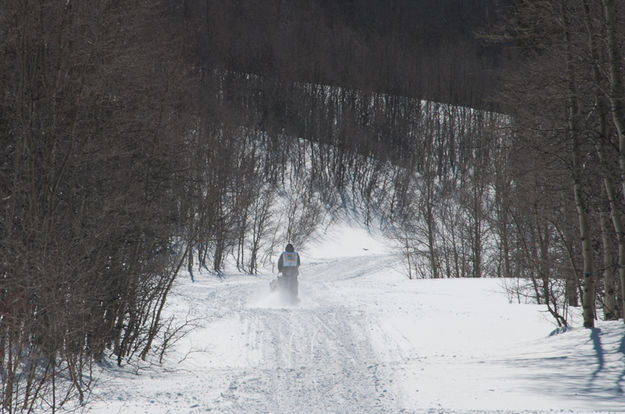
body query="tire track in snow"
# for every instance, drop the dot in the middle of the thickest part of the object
(316, 360)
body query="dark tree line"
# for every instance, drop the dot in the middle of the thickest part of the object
(419, 48)
(566, 101)
(91, 128)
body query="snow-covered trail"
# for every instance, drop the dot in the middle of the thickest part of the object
(313, 357)
(364, 339)
(251, 353)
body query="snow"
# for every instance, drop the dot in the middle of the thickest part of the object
(365, 339)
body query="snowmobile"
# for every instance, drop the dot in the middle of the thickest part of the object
(286, 286)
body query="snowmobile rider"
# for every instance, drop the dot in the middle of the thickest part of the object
(288, 265)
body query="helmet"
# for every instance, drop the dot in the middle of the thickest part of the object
(289, 248)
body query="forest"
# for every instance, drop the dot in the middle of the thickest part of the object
(486, 137)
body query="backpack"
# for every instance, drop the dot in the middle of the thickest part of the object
(289, 259)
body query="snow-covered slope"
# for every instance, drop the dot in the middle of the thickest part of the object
(365, 339)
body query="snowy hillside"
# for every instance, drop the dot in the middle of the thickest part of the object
(365, 339)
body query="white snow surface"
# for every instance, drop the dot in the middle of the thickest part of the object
(366, 339)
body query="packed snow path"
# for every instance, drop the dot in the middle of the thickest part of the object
(365, 339)
(314, 357)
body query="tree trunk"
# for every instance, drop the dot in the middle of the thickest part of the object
(588, 297)
(611, 303)
(617, 102)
